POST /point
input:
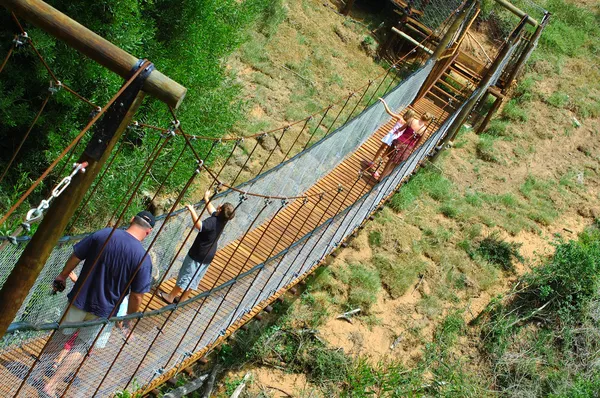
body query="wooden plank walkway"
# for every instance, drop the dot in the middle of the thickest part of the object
(233, 259)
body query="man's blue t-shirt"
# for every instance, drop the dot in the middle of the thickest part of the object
(100, 292)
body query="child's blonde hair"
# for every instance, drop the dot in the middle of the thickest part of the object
(409, 114)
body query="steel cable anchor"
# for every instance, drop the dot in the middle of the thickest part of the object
(37, 213)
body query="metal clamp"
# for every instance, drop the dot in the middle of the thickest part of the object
(21, 40)
(172, 129)
(54, 87)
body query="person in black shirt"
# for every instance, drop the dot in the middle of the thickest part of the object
(202, 251)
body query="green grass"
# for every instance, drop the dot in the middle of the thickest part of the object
(497, 128)
(427, 181)
(515, 112)
(486, 150)
(397, 274)
(558, 99)
(363, 286)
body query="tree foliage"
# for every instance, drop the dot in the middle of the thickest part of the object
(187, 40)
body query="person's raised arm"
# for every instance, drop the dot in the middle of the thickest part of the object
(388, 110)
(209, 206)
(195, 218)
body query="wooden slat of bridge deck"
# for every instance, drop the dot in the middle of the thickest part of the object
(234, 260)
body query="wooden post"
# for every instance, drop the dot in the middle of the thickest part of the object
(348, 7)
(466, 109)
(514, 73)
(95, 47)
(451, 32)
(107, 133)
(437, 70)
(498, 101)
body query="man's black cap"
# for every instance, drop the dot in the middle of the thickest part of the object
(148, 217)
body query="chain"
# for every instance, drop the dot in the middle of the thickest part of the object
(36, 213)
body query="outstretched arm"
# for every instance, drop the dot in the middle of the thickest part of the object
(388, 110)
(195, 218)
(209, 206)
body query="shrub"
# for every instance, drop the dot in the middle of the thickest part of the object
(513, 111)
(558, 99)
(499, 252)
(364, 284)
(396, 275)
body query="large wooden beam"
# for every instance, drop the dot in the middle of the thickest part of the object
(94, 46)
(517, 11)
(410, 39)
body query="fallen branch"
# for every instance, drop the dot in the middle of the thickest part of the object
(187, 389)
(421, 277)
(238, 390)
(210, 384)
(346, 315)
(480, 46)
(397, 341)
(280, 390)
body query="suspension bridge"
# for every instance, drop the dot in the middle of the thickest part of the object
(309, 196)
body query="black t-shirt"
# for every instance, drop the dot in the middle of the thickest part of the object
(205, 246)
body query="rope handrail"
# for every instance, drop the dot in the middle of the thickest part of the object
(50, 72)
(178, 130)
(71, 145)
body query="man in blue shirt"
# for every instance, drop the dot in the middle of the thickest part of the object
(112, 268)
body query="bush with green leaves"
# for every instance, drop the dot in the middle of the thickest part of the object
(542, 337)
(186, 40)
(500, 252)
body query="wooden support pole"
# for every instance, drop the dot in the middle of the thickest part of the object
(517, 11)
(57, 24)
(348, 7)
(489, 115)
(514, 73)
(468, 107)
(441, 65)
(108, 132)
(413, 41)
(518, 67)
(451, 32)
